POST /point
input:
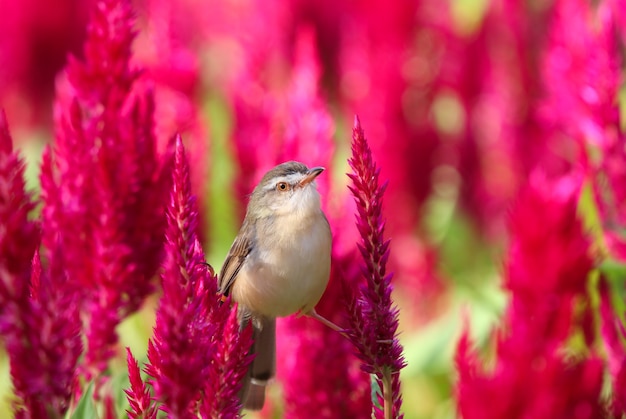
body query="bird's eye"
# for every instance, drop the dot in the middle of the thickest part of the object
(282, 186)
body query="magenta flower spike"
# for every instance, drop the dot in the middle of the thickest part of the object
(188, 350)
(290, 120)
(35, 40)
(373, 317)
(39, 320)
(585, 45)
(178, 353)
(19, 237)
(546, 273)
(105, 187)
(613, 334)
(229, 365)
(138, 395)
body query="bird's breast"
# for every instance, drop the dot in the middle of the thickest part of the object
(289, 273)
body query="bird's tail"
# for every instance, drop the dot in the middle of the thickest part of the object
(263, 366)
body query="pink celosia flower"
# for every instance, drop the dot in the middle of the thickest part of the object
(546, 273)
(105, 185)
(292, 121)
(377, 60)
(178, 351)
(585, 46)
(613, 333)
(35, 39)
(38, 316)
(188, 354)
(373, 318)
(168, 48)
(138, 395)
(19, 237)
(229, 365)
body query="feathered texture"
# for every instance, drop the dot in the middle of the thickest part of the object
(188, 352)
(105, 186)
(591, 114)
(180, 346)
(18, 236)
(138, 395)
(44, 346)
(38, 317)
(613, 334)
(373, 317)
(546, 273)
(229, 365)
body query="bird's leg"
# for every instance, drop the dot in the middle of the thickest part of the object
(313, 314)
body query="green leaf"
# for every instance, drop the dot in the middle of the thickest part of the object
(86, 408)
(613, 270)
(376, 391)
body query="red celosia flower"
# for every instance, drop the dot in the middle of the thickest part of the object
(546, 273)
(168, 50)
(44, 345)
(378, 59)
(373, 318)
(18, 236)
(178, 352)
(613, 333)
(141, 404)
(35, 39)
(188, 348)
(229, 365)
(291, 122)
(585, 46)
(105, 186)
(39, 319)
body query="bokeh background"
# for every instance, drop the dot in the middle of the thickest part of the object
(461, 101)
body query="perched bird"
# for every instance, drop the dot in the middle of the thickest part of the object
(278, 265)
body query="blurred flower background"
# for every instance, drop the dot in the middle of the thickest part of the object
(497, 124)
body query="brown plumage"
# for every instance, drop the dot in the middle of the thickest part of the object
(279, 263)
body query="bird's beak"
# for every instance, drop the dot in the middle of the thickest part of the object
(311, 175)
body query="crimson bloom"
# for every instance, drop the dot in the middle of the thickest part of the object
(39, 320)
(104, 185)
(138, 395)
(373, 318)
(197, 356)
(546, 273)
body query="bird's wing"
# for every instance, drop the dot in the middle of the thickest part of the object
(234, 261)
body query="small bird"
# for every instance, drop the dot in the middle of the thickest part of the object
(278, 265)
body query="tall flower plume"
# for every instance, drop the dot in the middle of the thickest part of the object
(138, 395)
(373, 317)
(19, 237)
(546, 274)
(188, 351)
(613, 334)
(104, 184)
(229, 365)
(38, 318)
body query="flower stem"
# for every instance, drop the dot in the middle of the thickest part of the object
(387, 394)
